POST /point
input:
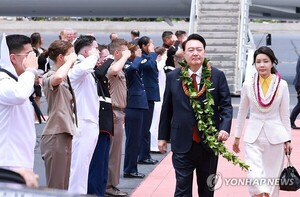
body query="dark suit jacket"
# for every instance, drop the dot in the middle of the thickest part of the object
(177, 117)
(171, 51)
(296, 81)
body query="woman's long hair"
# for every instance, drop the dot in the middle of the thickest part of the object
(269, 52)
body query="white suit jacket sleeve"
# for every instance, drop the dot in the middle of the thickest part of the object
(243, 111)
(284, 109)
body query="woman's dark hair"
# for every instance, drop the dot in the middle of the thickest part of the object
(36, 39)
(143, 41)
(132, 48)
(268, 52)
(58, 47)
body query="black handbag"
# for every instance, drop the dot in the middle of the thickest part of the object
(289, 178)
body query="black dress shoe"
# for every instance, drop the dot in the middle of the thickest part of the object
(294, 126)
(134, 175)
(148, 161)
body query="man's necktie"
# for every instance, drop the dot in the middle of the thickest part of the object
(74, 100)
(195, 81)
(196, 136)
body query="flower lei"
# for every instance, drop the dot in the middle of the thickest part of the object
(260, 105)
(204, 115)
(274, 94)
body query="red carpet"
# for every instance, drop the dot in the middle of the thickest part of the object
(161, 181)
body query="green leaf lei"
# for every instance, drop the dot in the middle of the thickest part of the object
(204, 116)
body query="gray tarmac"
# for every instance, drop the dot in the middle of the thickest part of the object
(285, 43)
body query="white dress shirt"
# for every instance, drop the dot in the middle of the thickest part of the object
(17, 130)
(85, 88)
(198, 73)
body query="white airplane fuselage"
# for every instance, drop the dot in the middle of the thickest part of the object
(287, 9)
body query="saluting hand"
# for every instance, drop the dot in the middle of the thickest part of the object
(72, 57)
(31, 61)
(95, 52)
(126, 53)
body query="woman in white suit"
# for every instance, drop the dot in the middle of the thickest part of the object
(268, 133)
(161, 63)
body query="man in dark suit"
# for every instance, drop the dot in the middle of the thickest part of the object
(179, 125)
(171, 43)
(296, 110)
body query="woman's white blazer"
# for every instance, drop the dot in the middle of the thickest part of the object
(275, 121)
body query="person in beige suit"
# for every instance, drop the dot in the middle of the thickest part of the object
(268, 131)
